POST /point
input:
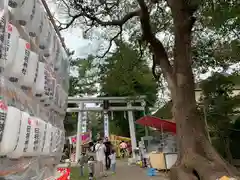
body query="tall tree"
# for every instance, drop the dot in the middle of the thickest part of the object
(222, 108)
(82, 82)
(197, 159)
(125, 74)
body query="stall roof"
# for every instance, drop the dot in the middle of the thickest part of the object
(160, 124)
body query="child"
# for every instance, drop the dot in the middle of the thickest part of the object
(91, 168)
(113, 161)
(144, 157)
(82, 161)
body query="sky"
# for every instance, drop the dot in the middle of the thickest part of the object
(73, 37)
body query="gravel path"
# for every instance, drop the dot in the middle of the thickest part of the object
(125, 172)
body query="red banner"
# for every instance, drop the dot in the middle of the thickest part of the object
(86, 137)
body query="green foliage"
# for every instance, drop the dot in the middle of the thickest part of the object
(222, 14)
(219, 100)
(83, 77)
(216, 40)
(125, 74)
(222, 106)
(81, 83)
(165, 112)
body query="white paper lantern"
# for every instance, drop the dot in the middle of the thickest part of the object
(57, 140)
(44, 141)
(24, 138)
(46, 100)
(59, 58)
(57, 95)
(45, 35)
(20, 63)
(49, 138)
(10, 118)
(27, 79)
(24, 12)
(40, 80)
(15, 3)
(36, 136)
(55, 48)
(1, 5)
(52, 49)
(52, 88)
(56, 51)
(48, 50)
(12, 45)
(54, 140)
(63, 98)
(2, 39)
(34, 25)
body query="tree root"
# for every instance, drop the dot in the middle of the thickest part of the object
(196, 167)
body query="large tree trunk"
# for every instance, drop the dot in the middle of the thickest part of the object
(228, 153)
(197, 158)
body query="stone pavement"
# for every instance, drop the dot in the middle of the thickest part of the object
(126, 172)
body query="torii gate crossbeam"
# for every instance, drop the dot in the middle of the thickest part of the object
(129, 108)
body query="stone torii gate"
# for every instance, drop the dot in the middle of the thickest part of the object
(106, 101)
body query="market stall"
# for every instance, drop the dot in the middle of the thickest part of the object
(116, 140)
(161, 148)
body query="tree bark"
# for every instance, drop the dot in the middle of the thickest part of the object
(197, 159)
(228, 153)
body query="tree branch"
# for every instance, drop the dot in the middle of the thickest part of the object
(110, 43)
(85, 13)
(156, 47)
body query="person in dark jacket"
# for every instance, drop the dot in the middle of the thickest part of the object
(108, 146)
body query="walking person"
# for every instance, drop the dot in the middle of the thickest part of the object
(108, 146)
(123, 147)
(113, 161)
(91, 168)
(82, 161)
(100, 155)
(129, 148)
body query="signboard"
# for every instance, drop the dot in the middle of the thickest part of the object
(86, 138)
(119, 138)
(106, 124)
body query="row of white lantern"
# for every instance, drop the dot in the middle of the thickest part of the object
(31, 14)
(29, 71)
(22, 135)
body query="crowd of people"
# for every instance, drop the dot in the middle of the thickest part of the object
(103, 154)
